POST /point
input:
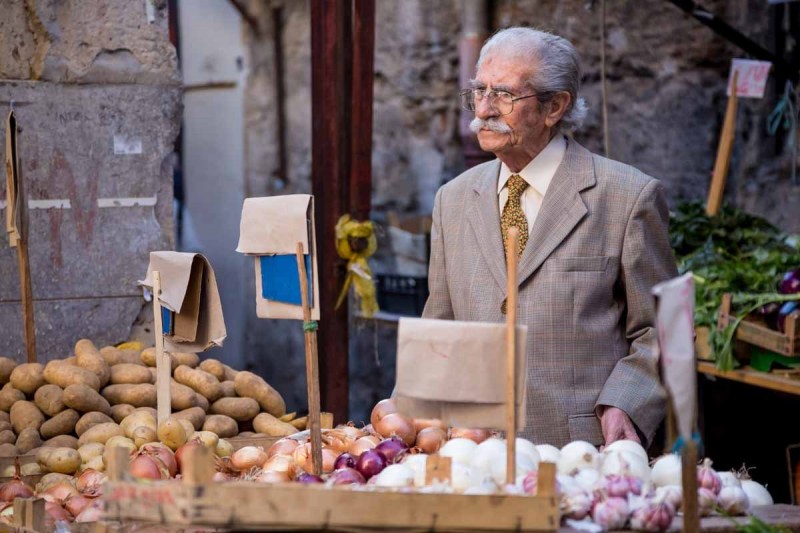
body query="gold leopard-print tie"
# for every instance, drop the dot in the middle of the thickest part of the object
(512, 212)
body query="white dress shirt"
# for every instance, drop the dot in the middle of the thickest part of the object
(538, 173)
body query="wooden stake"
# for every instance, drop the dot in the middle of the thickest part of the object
(199, 467)
(163, 364)
(512, 246)
(691, 516)
(724, 150)
(312, 368)
(29, 514)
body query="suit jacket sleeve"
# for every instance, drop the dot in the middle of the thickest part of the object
(647, 259)
(439, 304)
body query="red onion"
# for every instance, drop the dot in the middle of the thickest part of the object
(345, 460)
(397, 425)
(145, 466)
(708, 478)
(476, 435)
(430, 439)
(309, 478)
(194, 443)
(393, 449)
(371, 463)
(76, 504)
(381, 409)
(346, 476)
(164, 454)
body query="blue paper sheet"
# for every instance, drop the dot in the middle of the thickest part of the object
(280, 279)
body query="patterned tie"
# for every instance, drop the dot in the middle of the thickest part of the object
(512, 212)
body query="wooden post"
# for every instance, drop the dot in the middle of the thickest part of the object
(198, 467)
(724, 150)
(29, 514)
(163, 363)
(512, 247)
(438, 468)
(312, 371)
(363, 81)
(118, 467)
(691, 516)
(331, 43)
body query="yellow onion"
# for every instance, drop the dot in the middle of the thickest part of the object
(430, 439)
(363, 444)
(337, 441)
(90, 482)
(422, 423)
(381, 409)
(76, 504)
(285, 446)
(281, 463)
(397, 425)
(246, 458)
(351, 432)
(272, 476)
(59, 493)
(147, 467)
(54, 513)
(475, 435)
(302, 458)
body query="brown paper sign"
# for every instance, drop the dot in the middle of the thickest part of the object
(455, 371)
(14, 207)
(189, 289)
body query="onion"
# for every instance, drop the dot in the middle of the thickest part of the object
(430, 439)
(92, 513)
(397, 425)
(193, 443)
(396, 475)
(271, 476)
(145, 466)
(336, 440)
(629, 446)
(526, 447)
(577, 455)
(55, 513)
(345, 460)
(221, 477)
(460, 450)
(371, 463)
(756, 493)
(309, 478)
(76, 504)
(90, 482)
(667, 471)
(164, 454)
(16, 488)
(475, 435)
(417, 463)
(622, 463)
(302, 458)
(246, 458)
(285, 446)
(707, 477)
(393, 449)
(548, 453)
(346, 476)
(422, 423)
(733, 500)
(363, 444)
(729, 479)
(381, 409)
(281, 463)
(462, 477)
(351, 431)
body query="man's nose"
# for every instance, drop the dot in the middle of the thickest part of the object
(484, 109)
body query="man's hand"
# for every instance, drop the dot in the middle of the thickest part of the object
(617, 425)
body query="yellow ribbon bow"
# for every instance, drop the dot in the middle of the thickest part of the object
(355, 241)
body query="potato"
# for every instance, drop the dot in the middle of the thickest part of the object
(188, 427)
(8, 450)
(61, 424)
(125, 373)
(152, 410)
(89, 420)
(7, 366)
(88, 356)
(7, 437)
(63, 461)
(117, 442)
(91, 450)
(224, 448)
(143, 435)
(240, 409)
(9, 395)
(195, 415)
(223, 426)
(141, 395)
(149, 358)
(138, 419)
(49, 398)
(64, 374)
(100, 433)
(246, 434)
(70, 360)
(30, 469)
(6, 426)
(228, 389)
(249, 385)
(115, 356)
(25, 414)
(62, 441)
(230, 373)
(153, 372)
(85, 399)
(269, 425)
(213, 367)
(183, 397)
(120, 411)
(209, 440)
(202, 382)
(27, 440)
(202, 402)
(186, 358)
(172, 434)
(300, 423)
(28, 377)
(4, 417)
(95, 463)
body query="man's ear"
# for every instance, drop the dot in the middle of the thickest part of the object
(556, 107)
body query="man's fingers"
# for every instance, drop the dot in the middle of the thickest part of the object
(630, 434)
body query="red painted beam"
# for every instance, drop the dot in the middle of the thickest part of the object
(363, 82)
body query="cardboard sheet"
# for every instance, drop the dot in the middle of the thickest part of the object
(455, 371)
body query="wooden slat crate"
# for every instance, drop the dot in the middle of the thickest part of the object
(756, 333)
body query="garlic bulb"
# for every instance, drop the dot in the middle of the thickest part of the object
(652, 515)
(733, 500)
(611, 513)
(729, 479)
(576, 456)
(576, 504)
(706, 501)
(627, 446)
(756, 493)
(672, 494)
(666, 471)
(528, 449)
(620, 486)
(588, 479)
(622, 463)
(707, 477)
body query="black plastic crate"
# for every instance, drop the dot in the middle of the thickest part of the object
(402, 295)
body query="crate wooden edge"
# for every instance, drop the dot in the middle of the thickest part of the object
(261, 506)
(787, 344)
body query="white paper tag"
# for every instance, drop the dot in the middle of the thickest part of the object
(127, 145)
(752, 77)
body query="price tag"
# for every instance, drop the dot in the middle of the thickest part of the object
(752, 77)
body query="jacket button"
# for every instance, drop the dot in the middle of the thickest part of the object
(503, 307)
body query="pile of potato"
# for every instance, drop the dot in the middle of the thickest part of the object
(86, 399)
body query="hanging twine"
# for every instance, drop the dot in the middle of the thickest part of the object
(784, 116)
(355, 242)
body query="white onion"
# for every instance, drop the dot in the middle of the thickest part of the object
(523, 465)
(566, 484)
(548, 453)
(729, 479)
(463, 477)
(486, 488)
(397, 475)
(417, 463)
(625, 463)
(756, 493)
(459, 450)
(526, 447)
(667, 471)
(587, 479)
(627, 446)
(733, 500)
(487, 453)
(577, 455)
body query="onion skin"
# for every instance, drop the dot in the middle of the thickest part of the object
(271, 476)
(146, 467)
(164, 454)
(475, 435)
(90, 483)
(397, 425)
(381, 409)
(430, 439)
(16, 488)
(60, 492)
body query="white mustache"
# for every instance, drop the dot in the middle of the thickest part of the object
(494, 124)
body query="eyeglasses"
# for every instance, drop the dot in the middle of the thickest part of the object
(500, 101)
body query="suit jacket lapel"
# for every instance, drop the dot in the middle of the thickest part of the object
(562, 208)
(484, 217)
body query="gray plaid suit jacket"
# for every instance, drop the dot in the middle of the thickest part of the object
(597, 247)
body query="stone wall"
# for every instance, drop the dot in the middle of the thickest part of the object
(97, 97)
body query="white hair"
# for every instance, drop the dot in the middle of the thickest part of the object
(557, 67)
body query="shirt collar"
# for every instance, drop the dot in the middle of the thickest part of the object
(540, 170)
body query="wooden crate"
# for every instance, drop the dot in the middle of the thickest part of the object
(754, 332)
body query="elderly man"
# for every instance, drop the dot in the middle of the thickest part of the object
(593, 242)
